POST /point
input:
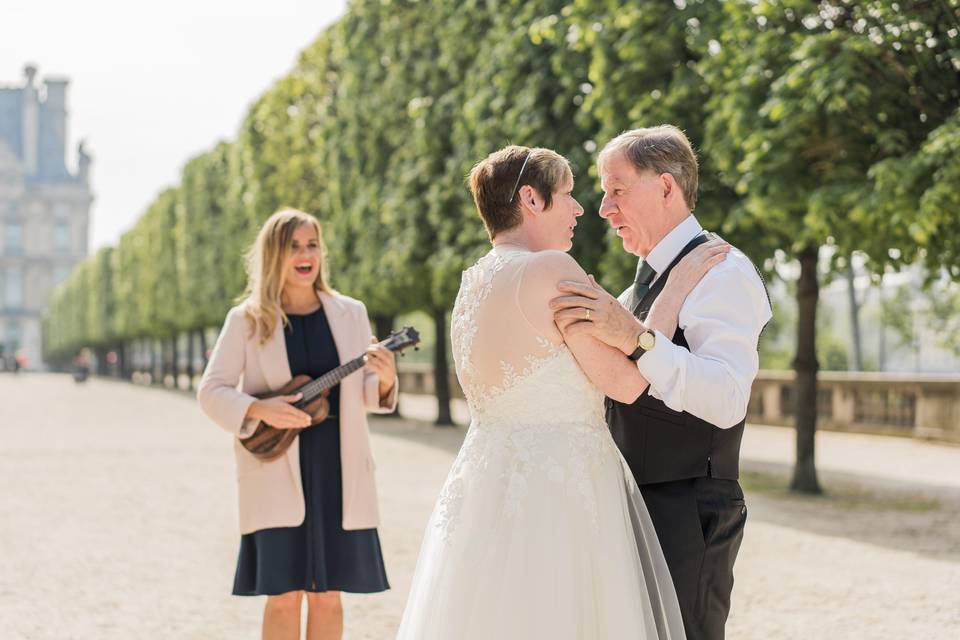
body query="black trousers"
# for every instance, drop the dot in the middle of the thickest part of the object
(700, 525)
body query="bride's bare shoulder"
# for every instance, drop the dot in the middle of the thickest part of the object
(553, 266)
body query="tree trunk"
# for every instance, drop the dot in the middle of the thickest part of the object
(164, 361)
(383, 325)
(123, 360)
(152, 346)
(175, 360)
(805, 366)
(167, 360)
(441, 373)
(101, 354)
(190, 356)
(203, 346)
(854, 319)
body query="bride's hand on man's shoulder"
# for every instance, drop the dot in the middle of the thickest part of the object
(691, 269)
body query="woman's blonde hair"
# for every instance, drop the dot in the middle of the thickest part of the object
(265, 270)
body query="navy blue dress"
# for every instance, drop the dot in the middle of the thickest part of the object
(318, 555)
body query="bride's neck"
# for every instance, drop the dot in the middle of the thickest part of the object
(515, 238)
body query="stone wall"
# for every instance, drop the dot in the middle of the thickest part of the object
(923, 406)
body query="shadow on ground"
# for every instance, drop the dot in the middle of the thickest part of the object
(915, 518)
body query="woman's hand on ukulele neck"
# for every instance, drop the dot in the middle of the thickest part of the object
(278, 412)
(382, 362)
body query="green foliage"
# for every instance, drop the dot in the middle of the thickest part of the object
(827, 123)
(813, 105)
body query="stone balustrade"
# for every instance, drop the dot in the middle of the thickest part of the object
(916, 405)
(417, 378)
(920, 405)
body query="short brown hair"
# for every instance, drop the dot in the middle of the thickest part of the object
(494, 183)
(663, 149)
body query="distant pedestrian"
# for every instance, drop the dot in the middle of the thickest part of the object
(81, 366)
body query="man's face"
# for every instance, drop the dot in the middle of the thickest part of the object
(633, 204)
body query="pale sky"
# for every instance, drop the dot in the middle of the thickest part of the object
(153, 84)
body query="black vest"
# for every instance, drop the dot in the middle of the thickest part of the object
(662, 445)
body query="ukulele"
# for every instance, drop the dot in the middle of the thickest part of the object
(268, 443)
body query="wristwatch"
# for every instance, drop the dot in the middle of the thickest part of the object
(645, 342)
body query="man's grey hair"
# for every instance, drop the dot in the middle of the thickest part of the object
(663, 149)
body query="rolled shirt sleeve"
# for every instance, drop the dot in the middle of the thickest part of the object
(721, 320)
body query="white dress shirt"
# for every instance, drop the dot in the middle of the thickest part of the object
(721, 320)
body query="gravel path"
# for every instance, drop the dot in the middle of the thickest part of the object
(117, 520)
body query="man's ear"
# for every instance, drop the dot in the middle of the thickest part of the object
(669, 185)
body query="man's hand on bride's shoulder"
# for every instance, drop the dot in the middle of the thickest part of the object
(587, 309)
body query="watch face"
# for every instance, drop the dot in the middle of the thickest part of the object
(647, 340)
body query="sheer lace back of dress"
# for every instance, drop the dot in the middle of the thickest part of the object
(509, 369)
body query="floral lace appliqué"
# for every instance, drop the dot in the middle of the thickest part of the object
(475, 285)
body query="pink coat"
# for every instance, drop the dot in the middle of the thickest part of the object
(270, 493)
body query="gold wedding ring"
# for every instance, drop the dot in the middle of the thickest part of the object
(588, 314)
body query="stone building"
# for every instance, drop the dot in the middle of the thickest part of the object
(44, 208)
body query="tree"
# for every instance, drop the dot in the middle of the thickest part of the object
(806, 100)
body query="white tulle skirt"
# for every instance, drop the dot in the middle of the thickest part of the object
(540, 532)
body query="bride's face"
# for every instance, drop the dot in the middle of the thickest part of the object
(561, 217)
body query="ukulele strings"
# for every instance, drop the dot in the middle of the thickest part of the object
(331, 378)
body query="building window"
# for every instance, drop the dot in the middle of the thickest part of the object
(13, 238)
(61, 236)
(13, 288)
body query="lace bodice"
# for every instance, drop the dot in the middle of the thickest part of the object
(535, 414)
(514, 367)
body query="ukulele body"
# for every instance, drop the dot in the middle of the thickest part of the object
(269, 443)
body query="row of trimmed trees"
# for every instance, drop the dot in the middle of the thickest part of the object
(818, 124)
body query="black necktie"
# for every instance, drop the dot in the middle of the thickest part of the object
(641, 284)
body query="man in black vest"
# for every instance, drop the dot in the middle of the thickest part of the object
(681, 436)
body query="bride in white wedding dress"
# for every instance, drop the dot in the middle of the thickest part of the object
(540, 531)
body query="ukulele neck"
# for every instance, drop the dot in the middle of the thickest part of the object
(330, 379)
